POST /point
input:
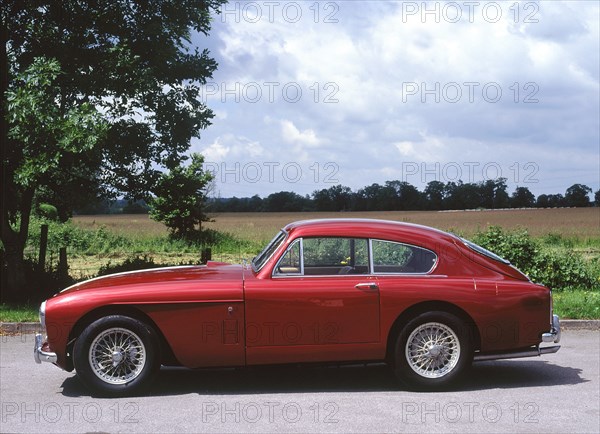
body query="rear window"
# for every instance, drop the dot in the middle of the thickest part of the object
(483, 251)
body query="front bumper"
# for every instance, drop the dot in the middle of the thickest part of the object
(554, 334)
(40, 353)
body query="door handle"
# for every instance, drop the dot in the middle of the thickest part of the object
(367, 285)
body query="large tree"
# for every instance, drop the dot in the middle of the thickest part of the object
(118, 101)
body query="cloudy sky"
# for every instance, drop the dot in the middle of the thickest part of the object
(312, 94)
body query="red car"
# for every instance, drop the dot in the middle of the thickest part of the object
(340, 290)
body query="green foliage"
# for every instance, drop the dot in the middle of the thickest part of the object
(577, 304)
(44, 129)
(47, 211)
(130, 264)
(180, 197)
(559, 270)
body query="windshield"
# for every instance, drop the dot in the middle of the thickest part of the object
(259, 260)
(484, 251)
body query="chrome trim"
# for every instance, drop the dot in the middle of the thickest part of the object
(533, 352)
(433, 267)
(274, 272)
(42, 315)
(554, 334)
(42, 356)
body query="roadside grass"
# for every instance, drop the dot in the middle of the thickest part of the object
(18, 313)
(577, 304)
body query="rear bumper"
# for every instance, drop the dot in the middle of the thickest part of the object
(40, 351)
(554, 334)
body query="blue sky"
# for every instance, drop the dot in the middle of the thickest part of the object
(312, 94)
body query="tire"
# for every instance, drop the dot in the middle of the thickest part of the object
(116, 356)
(433, 351)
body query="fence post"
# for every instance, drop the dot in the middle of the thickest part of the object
(43, 248)
(205, 255)
(63, 267)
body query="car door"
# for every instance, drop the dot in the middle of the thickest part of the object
(320, 304)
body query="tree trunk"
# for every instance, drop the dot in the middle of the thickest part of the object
(13, 275)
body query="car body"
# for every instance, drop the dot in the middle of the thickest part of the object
(330, 290)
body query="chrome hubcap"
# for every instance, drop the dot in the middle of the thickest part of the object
(117, 356)
(432, 350)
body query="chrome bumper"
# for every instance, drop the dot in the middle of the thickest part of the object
(554, 334)
(40, 355)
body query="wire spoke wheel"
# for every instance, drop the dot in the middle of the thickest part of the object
(117, 356)
(432, 350)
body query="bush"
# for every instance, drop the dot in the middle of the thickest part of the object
(130, 264)
(559, 270)
(47, 211)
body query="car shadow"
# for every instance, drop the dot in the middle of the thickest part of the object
(504, 374)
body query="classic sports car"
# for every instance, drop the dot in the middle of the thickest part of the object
(340, 290)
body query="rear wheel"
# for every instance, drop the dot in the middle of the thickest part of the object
(433, 351)
(116, 355)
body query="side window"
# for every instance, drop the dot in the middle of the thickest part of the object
(329, 256)
(390, 257)
(290, 262)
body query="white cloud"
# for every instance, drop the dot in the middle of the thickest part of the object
(365, 61)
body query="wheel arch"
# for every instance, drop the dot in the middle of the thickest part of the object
(429, 306)
(166, 353)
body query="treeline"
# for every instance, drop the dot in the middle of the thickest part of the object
(402, 196)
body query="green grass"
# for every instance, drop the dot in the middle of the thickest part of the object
(577, 304)
(18, 313)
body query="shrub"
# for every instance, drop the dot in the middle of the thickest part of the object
(47, 211)
(559, 270)
(130, 264)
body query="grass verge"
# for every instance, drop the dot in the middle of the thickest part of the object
(577, 304)
(18, 313)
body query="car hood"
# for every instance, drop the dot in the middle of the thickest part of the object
(172, 282)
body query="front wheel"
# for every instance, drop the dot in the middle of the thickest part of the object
(116, 355)
(433, 351)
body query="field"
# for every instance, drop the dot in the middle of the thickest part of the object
(575, 228)
(579, 224)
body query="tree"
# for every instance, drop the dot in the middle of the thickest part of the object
(597, 198)
(577, 195)
(286, 201)
(334, 198)
(180, 196)
(119, 92)
(522, 198)
(434, 193)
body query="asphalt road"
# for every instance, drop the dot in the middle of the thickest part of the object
(554, 393)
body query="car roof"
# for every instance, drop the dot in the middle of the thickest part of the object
(365, 228)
